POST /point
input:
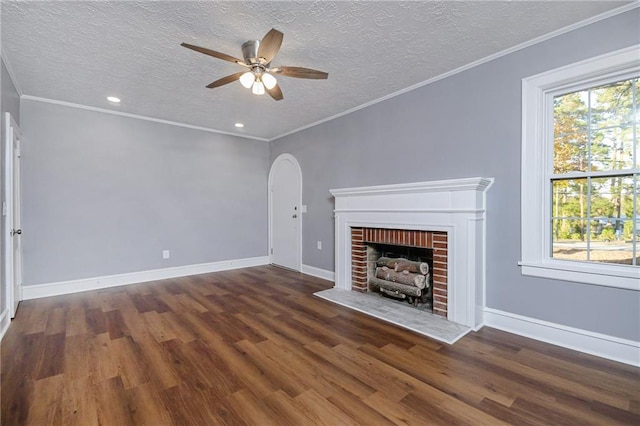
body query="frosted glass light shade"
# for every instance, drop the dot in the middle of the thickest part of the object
(269, 81)
(258, 88)
(247, 79)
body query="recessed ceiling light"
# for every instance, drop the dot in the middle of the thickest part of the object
(113, 99)
(239, 125)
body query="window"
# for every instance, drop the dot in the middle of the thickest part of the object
(595, 174)
(581, 172)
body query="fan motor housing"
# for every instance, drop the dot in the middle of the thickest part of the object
(250, 51)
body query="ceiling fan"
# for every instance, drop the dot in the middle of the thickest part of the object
(258, 55)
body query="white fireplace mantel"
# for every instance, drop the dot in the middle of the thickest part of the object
(454, 206)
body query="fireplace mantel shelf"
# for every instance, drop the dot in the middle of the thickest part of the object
(473, 184)
(382, 210)
(457, 207)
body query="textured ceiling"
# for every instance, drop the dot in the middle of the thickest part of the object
(81, 52)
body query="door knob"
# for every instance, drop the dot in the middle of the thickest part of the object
(16, 231)
(294, 216)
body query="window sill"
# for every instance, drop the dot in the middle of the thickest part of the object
(617, 276)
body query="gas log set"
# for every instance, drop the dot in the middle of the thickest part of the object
(402, 279)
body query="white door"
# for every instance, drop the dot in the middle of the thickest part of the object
(11, 207)
(285, 183)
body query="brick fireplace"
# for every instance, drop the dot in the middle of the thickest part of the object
(434, 241)
(445, 216)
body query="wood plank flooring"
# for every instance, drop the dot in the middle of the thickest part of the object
(254, 347)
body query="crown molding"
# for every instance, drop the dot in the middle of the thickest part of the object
(583, 23)
(474, 64)
(138, 117)
(12, 75)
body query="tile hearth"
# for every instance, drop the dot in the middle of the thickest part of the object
(398, 313)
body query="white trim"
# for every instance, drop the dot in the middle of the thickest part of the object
(607, 275)
(5, 321)
(478, 211)
(467, 184)
(473, 64)
(455, 206)
(537, 146)
(602, 345)
(294, 161)
(95, 283)
(318, 273)
(139, 117)
(8, 261)
(12, 75)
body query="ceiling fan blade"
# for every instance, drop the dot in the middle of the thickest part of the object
(225, 80)
(213, 53)
(270, 45)
(300, 72)
(276, 93)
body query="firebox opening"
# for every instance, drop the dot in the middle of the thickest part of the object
(399, 273)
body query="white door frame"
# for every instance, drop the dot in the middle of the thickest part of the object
(292, 159)
(13, 293)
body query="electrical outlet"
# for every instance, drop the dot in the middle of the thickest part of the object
(165, 254)
(319, 245)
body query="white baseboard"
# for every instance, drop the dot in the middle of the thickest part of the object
(76, 286)
(317, 272)
(602, 345)
(5, 320)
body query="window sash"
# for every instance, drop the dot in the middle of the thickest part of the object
(595, 174)
(589, 218)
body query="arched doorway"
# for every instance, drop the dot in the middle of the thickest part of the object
(285, 220)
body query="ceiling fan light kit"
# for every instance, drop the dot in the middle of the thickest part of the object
(247, 79)
(257, 88)
(258, 55)
(269, 81)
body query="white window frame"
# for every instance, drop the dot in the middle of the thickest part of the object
(537, 167)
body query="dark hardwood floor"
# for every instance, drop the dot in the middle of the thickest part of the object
(253, 346)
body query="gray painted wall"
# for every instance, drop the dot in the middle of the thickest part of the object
(466, 125)
(10, 97)
(105, 194)
(9, 102)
